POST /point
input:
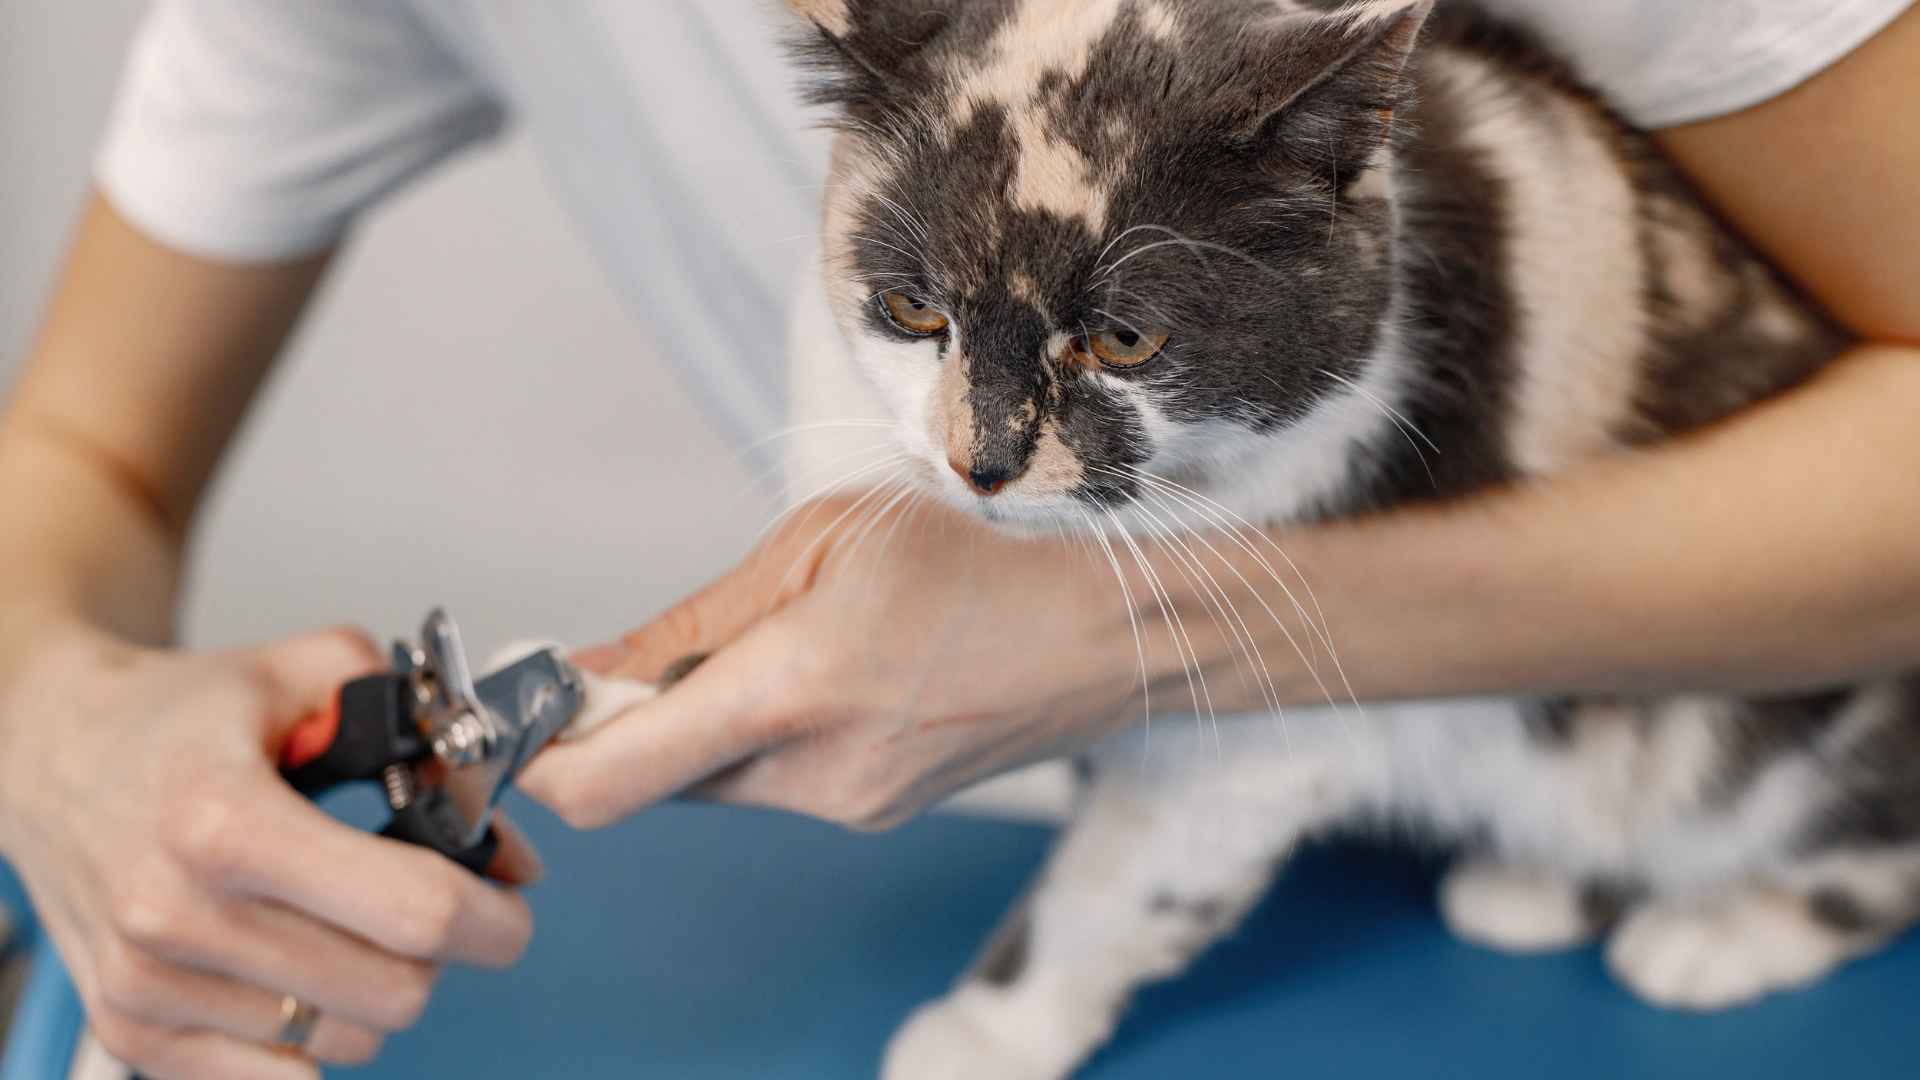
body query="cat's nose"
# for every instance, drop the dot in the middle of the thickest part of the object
(984, 479)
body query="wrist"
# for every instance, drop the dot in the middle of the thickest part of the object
(31, 636)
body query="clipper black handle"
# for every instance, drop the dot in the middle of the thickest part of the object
(369, 728)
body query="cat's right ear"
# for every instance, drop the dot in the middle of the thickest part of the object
(862, 51)
(1336, 81)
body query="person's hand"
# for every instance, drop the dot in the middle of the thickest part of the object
(863, 668)
(190, 890)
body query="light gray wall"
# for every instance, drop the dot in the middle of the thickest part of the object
(577, 493)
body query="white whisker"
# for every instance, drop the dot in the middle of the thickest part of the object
(1189, 656)
(1133, 621)
(1407, 428)
(1218, 515)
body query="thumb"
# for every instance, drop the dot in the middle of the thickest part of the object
(304, 673)
(723, 713)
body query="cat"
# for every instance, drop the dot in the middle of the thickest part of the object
(1209, 260)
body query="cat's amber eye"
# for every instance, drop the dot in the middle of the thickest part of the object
(912, 314)
(1120, 348)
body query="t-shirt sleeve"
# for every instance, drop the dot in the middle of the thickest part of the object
(1668, 62)
(257, 129)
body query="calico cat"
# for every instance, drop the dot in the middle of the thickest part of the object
(1141, 262)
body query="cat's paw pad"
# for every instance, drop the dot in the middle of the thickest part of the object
(1513, 909)
(977, 1032)
(1723, 954)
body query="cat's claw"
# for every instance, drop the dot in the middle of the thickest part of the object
(1722, 954)
(977, 1032)
(1513, 909)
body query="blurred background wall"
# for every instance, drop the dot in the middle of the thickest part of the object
(577, 497)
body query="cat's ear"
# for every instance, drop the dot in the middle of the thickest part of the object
(1340, 79)
(862, 50)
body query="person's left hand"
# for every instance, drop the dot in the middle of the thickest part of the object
(862, 669)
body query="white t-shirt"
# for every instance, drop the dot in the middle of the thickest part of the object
(258, 129)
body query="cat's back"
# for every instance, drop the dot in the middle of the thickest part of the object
(1570, 292)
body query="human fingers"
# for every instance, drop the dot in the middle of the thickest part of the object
(259, 839)
(147, 990)
(744, 699)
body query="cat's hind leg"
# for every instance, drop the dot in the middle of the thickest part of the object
(1152, 870)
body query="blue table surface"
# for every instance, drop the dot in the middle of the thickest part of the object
(702, 943)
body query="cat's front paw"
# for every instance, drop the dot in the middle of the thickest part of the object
(1514, 909)
(1724, 953)
(978, 1032)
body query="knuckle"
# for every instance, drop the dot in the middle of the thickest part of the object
(206, 832)
(151, 919)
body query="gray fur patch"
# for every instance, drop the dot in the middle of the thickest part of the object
(1005, 958)
(1838, 910)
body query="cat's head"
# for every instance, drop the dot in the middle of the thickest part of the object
(1075, 240)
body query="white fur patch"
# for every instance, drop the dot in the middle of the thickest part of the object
(1513, 909)
(606, 700)
(1277, 477)
(1720, 954)
(978, 1032)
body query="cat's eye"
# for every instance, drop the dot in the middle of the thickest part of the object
(1127, 348)
(912, 314)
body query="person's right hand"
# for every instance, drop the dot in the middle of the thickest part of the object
(190, 890)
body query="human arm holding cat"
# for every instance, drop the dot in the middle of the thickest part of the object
(1771, 552)
(186, 886)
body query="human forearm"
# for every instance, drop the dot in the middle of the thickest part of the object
(1774, 552)
(77, 545)
(144, 367)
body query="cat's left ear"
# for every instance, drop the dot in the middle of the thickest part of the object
(1340, 80)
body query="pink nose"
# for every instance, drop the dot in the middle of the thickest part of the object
(984, 479)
